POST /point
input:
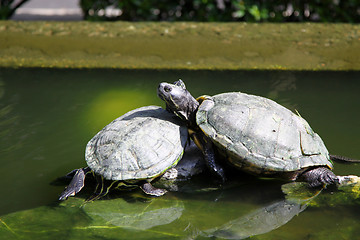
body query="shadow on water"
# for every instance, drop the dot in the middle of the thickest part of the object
(48, 115)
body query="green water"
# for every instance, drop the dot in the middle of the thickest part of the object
(48, 115)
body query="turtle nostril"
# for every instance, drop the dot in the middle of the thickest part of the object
(167, 88)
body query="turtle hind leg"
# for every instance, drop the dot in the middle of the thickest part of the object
(76, 184)
(320, 176)
(151, 190)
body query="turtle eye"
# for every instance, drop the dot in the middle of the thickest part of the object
(167, 88)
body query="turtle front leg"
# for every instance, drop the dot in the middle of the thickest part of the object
(211, 163)
(151, 190)
(319, 176)
(76, 184)
(207, 148)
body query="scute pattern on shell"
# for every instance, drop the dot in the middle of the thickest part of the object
(259, 135)
(141, 144)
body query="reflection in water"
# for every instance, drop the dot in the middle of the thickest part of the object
(149, 218)
(165, 217)
(135, 215)
(260, 221)
(282, 82)
(7, 124)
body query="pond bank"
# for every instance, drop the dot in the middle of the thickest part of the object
(184, 45)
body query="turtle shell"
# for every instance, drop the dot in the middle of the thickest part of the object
(260, 136)
(141, 144)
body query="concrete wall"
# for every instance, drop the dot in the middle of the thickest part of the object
(184, 45)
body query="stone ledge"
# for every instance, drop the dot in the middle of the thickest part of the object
(180, 45)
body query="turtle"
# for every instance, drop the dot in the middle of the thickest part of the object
(254, 134)
(131, 151)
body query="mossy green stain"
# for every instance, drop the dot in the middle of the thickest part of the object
(180, 45)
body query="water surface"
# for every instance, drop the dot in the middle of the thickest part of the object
(48, 115)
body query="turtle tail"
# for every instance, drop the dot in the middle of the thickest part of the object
(343, 159)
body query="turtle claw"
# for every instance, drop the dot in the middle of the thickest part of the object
(151, 190)
(319, 177)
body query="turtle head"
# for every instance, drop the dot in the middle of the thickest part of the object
(178, 99)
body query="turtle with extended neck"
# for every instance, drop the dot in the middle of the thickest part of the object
(255, 134)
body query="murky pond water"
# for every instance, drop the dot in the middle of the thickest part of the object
(48, 115)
